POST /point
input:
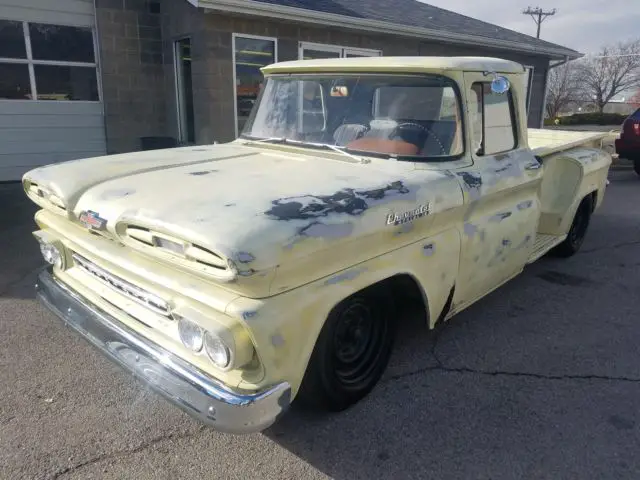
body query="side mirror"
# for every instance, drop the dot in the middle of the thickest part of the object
(499, 84)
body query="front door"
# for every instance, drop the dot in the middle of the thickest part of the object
(502, 207)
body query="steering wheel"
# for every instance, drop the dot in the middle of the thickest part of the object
(428, 131)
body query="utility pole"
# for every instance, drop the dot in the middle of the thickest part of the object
(538, 16)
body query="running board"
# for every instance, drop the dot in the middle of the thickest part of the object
(543, 244)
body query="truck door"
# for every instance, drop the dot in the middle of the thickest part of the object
(502, 207)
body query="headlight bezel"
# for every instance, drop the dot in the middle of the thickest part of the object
(187, 327)
(49, 243)
(227, 351)
(235, 341)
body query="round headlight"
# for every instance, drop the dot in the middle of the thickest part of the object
(216, 350)
(51, 254)
(190, 334)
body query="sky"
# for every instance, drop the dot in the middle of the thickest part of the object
(584, 25)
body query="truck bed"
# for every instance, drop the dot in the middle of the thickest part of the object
(544, 142)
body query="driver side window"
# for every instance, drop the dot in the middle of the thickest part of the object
(492, 118)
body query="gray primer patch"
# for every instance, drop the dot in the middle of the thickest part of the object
(525, 205)
(498, 217)
(324, 230)
(247, 315)
(405, 228)
(470, 229)
(277, 340)
(345, 276)
(473, 183)
(429, 250)
(244, 257)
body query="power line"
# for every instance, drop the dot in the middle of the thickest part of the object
(538, 16)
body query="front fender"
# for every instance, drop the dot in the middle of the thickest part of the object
(285, 327)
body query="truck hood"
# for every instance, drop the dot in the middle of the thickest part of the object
(259, 207)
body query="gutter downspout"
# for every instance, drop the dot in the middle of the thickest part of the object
(546, 87)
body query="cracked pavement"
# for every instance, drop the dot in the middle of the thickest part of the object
(539, 380)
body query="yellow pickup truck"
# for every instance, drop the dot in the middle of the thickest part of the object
(235, 278)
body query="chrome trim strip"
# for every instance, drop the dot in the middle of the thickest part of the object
(189, 388)
(137, 294)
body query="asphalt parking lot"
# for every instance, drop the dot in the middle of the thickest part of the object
(540, 380)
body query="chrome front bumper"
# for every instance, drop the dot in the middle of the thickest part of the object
(184, 385)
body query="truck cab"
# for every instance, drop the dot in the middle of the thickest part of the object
(236, 278)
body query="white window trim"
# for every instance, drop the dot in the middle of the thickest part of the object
(342, 50)
(233, 58)
(529, 87)
(31, 63)
(178, 85)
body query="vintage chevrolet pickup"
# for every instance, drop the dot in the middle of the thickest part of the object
(235, 278)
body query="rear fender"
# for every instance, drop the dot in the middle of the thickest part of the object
(568, 178)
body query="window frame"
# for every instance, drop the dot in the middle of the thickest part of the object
(235, 79)
(514, 122)
(182, 135)
(409, 158)
(529, 86)
(30, 62)
(341, 49)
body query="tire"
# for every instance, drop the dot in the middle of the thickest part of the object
(636, 166)
(351, 353)
(578, 230)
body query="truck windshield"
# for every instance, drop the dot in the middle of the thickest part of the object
(417, 117)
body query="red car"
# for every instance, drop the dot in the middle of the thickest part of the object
(628, 145)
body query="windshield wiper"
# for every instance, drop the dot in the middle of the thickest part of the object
(327, 146)
(266, 140)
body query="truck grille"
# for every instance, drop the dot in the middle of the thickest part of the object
(137, 294)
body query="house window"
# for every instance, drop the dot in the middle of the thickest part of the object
(492, 118)
(250, 54)
(47, 62)
(310, 51)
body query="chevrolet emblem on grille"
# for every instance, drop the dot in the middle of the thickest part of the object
(92, 220)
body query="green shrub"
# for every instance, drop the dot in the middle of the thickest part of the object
(594, 118)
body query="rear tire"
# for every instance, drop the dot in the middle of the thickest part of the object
(636, 166)
(578, 230)
(351, 353)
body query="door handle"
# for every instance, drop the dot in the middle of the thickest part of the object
(533, 166)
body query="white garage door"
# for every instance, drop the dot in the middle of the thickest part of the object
(50, 102)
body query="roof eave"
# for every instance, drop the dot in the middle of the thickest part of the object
(251, 7)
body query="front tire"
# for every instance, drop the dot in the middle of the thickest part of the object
(578, 230)
(351, 353)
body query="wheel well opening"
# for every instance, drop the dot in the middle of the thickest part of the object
(594, 200)
(409, 300)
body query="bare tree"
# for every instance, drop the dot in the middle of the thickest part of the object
(563, 88)
(614, 70)
(635, 100)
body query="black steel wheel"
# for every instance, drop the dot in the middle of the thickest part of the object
(351, 353)
(578, 230)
